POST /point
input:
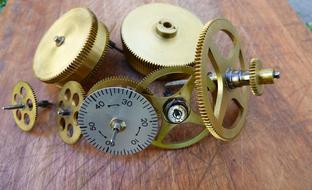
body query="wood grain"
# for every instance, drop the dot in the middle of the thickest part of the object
(273, 151)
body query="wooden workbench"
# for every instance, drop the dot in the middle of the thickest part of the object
(273, 151)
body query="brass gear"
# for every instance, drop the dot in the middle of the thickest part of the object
(254, 69)
(118, 81)
(26, 117)
(207, 52)
(159, 35)
(159, 101)
(68, 105)
(72, 48)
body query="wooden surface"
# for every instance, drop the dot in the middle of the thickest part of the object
(273, 151)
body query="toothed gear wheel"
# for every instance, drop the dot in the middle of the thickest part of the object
(207, 52)
(254, 69)
(118, 81)
(72, 48)
(26, 117)
(69, 102)
(159, 35)
(185, 93)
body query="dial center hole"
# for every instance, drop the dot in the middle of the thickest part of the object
(167, 24)
(177, 114)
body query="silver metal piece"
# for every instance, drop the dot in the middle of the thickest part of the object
(117, 125)
(176, 111)
(237, 78)
(13, 107)
(59, 40)
(181, 82)
(122, 111)
(177, 114)
(64, 112)
(276, 74)
(43, 103)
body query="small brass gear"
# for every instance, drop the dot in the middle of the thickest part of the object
(69, 102)
(254, 69)
(185, 93)
(72, 48)
(23, 94)
(118, 81)
(159, 35)
(207, 52)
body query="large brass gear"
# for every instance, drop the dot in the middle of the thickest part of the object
(159, 102)
(23, 94)
(72, 48)
(208, 53)
(69, 102)
(159, 35)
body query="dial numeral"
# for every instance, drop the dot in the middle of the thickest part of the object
(99, 105)
(126, 102)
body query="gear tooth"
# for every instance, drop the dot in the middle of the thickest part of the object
(33, 113)
(101, 60)
(74, 88)
(117, 81)
(76, 65)
(36, 101)
(80, 58)
(144, 64)
(255, 87)
(199, 82)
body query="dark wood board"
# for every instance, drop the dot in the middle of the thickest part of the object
(273, 151)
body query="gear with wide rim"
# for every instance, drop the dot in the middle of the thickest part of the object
(72, 48)
(118, 81)
(207, 53)
(159, 101)
(26, 117)
(69, 102)
(159, 35)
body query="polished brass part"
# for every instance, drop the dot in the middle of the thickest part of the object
(69, 101)
(72, 48)
(259, 76)
(159, 102)
(208, 53)
(118, 81)
(25, 116)
(159, 35)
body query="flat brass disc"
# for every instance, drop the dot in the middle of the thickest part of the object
(207, 52)
(26, 117)
(71, 47)
(69, 100)
(159, 101)
(157, 35)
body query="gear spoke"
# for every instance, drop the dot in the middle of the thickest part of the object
(186, 89)
(164, 131)
(194, 118)
(70, 99)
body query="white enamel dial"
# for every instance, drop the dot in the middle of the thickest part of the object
(118, 120)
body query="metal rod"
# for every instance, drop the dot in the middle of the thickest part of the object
(114, 136)
(44, 103)
(13, 107)
(113, 45)
(63, 112)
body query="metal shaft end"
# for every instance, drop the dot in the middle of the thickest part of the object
(13, 107)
